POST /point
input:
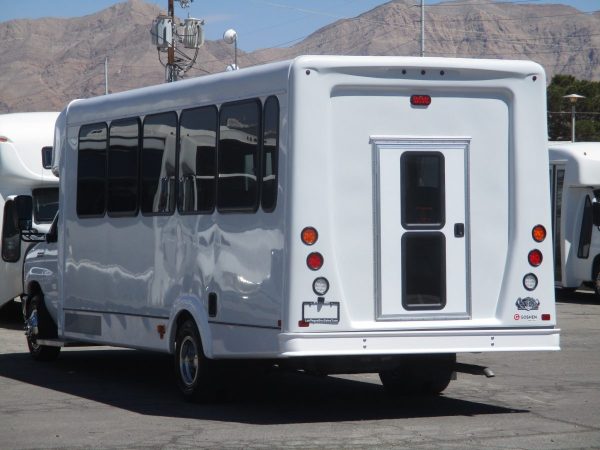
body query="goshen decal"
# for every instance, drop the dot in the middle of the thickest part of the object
(527, 304)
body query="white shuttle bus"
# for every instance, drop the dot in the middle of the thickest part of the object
(25, 158)
(575, 182)
(329, 213)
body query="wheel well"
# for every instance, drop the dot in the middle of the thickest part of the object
(34, 288)
(179, 321)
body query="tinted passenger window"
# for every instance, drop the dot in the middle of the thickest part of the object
(123, 168)
(424, 275)
(158, 164)
(238, 156)
(197, 160)
(91, 170)
(45, 204)
(270, 154)
(423, 202)
(587, 225)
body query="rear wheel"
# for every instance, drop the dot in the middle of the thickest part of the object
(597, 283)
(193, 370)
(39, 325)
(419, 375)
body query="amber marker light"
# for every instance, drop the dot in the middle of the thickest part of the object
(538, 233)
(309, 235)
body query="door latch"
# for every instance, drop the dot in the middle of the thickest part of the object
(459, 230)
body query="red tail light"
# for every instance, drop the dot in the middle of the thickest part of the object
(314, 261)
(535, 258)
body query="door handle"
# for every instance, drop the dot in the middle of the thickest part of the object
(459, 230)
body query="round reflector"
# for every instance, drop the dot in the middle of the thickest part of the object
(530, 281)
(309, 235)
(314, 261)
(538, 233)
(535, 257)
(320, 286)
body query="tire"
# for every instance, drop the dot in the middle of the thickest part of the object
(419, 375)
(45, 329)
(194, 372)
(597, 284)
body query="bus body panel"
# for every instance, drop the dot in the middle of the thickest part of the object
(349, 139)
(574, 169)
(22, 173)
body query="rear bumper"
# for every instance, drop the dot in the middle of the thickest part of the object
(410, 342)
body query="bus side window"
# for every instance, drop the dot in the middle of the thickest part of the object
(197, 160)
(237, 189)
(158, 164)
(91, 171)
(587, 225)
(45, 204)
(123, 155)
(270, 154)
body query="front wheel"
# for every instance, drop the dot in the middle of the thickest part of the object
(194, 372)
(39, 324)
(419, 375)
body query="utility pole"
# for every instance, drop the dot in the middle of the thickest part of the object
(170, 68)
(422, 27)
(166, 33)
(106, 75)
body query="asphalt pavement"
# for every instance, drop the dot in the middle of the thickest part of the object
(115, 398)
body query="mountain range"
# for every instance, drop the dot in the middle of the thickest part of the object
(48, 62)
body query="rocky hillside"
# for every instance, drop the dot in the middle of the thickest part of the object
(52, 61)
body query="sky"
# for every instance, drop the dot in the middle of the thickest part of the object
(258, 23)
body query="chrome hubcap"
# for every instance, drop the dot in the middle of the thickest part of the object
(188, 361)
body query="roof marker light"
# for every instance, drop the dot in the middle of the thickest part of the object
(420, 100)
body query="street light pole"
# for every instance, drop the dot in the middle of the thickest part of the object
(230, 37)
(573, 98)
(422, 27)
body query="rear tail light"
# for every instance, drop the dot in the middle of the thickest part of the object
(538, 233)
(314, 261)
(546, 317)
(535, 257)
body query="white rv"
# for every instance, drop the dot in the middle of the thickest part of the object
(339, 214)
(25, 158)
(575, 186)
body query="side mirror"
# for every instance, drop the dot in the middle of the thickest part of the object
(24, 207)
(596, 213)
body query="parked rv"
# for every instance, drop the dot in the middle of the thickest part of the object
(330, 213)
(25, 159)
(575, 193)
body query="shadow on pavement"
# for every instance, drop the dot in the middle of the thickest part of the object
(144, 383)
(11, 316)
(580, 296)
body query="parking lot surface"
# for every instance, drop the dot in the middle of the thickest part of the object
(114, 398)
